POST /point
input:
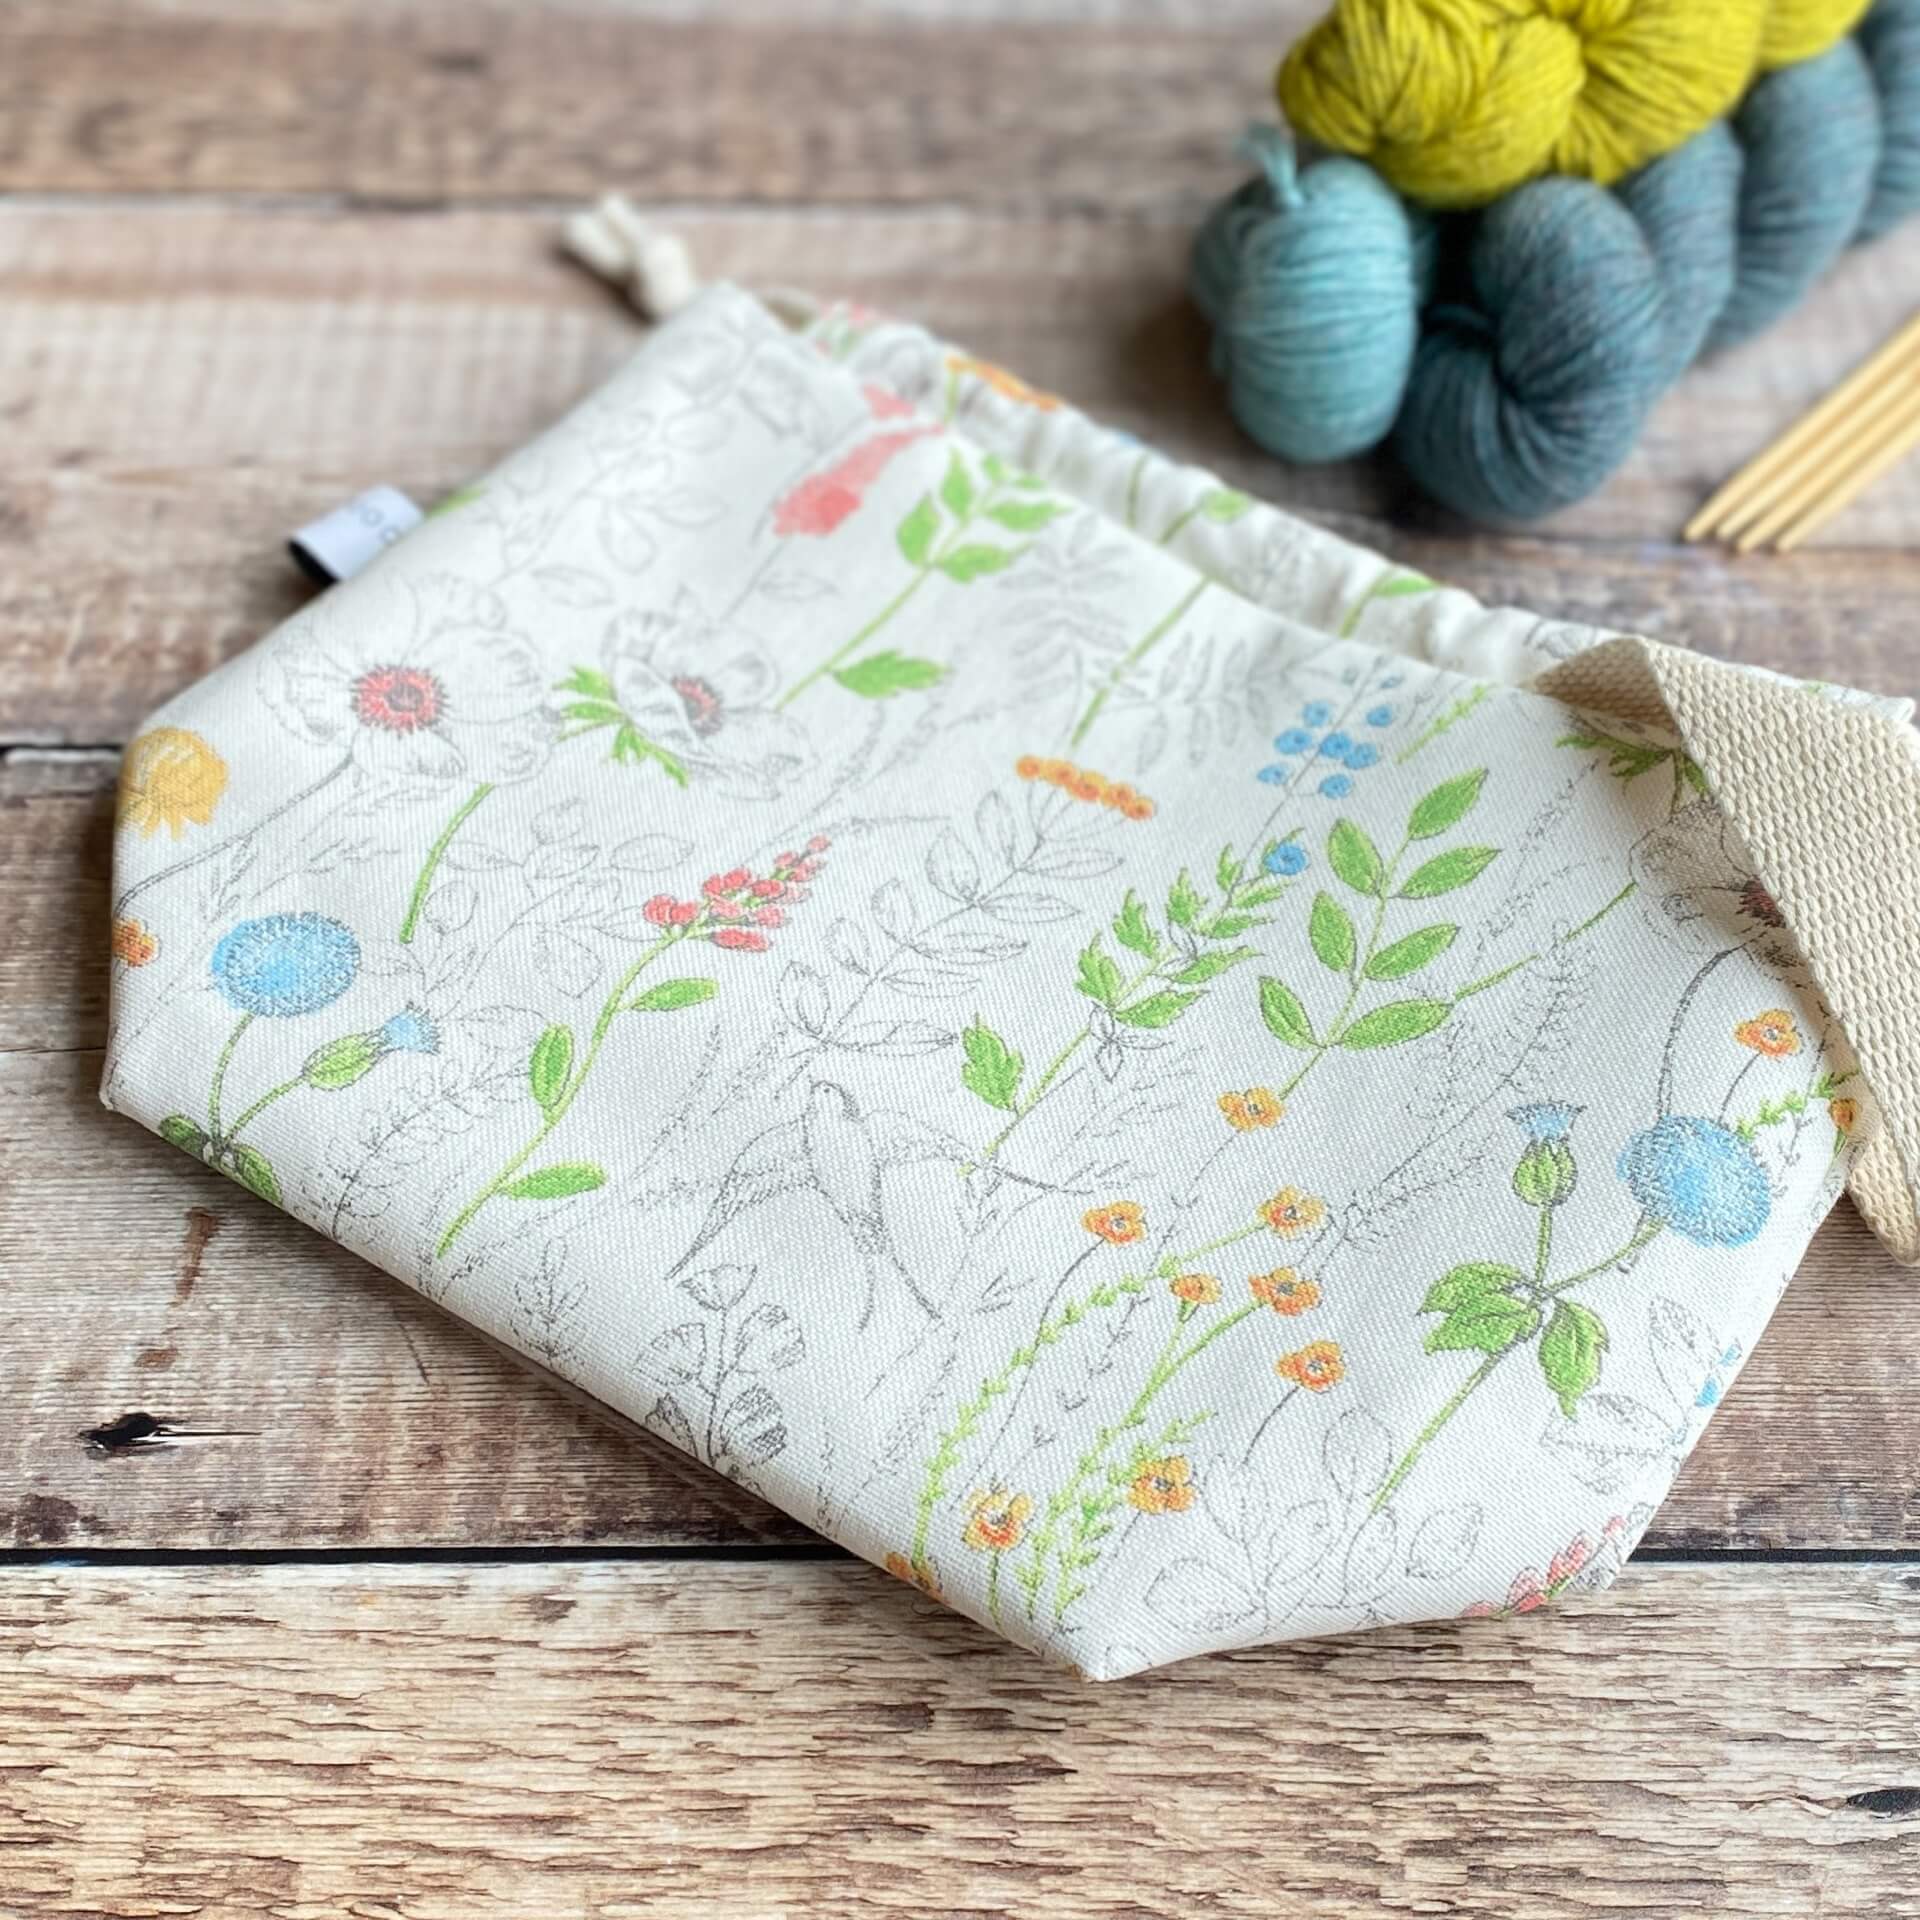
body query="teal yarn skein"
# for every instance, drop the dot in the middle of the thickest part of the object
(1313, 284)
(1559, 314)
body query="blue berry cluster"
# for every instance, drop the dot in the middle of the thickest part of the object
(1346, 755)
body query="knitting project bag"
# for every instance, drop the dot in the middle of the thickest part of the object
(1108, 1050)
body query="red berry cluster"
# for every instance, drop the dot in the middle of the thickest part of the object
(738, 908)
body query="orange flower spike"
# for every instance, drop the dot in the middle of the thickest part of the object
(1138, 808)
(1772, 1033)
(1284, 1291)
(1008, 385)
(1196, 1289)
(1290, 1211)
(1119, 796)
(1028, 766)
(1088, 785)
(1316, 1367)
(133, 944)
(1058, 773)
(1162, 1486)
(1257, 1107)
(996, 1521)
(1845, 1114)
(1119, 1223)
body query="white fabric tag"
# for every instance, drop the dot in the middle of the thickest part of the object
(339, 544)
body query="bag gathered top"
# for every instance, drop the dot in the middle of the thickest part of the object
(1164, 1078)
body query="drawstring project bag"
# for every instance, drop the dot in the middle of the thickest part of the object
(1152, 1072)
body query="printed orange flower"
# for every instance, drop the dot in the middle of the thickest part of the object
(1009, 385)
(1119, 1223)
(1772, 1033)
(1284, 1291)
(169, 778)
(996, 1520)
(1290, 1211)
(1028, 766)
(1137, 807)
(1087, 785)
(918, 1573)
(133, 943)
(1845, 1114)
(1257, 1107)
(1316, 1367)
(1197, 1289)
(1162, 1486)
(1083, 783)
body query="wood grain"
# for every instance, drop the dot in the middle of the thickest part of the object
(447, 1743)
(314, 1402)
(182, 384)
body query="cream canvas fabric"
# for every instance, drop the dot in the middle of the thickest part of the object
(1098, 1045)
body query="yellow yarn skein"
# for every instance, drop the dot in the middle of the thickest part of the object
(1458, 101)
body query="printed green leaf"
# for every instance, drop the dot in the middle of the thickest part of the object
(915, 533)
(881, 675)
(1209, 966)
(1263, 894)
(1355, 858)
(1157, 1010)
(1570, 1352)
(1695, 778)
(1445, 871)
(1403, 584)
(594, 685)
(1399, 1020)
(956, 490)
(1410, 954)
(1025, 516)
(1224, 506)
(1226, 875)
(629, 744)
(1330, 933)
(551, 1066)
(1286, 1018)
(1099, 976)
(594, 713)
(669, 996)
(992, 1070)
(254, 1171)
(177, 1130)
(1472, 1280)
(1132, 929)
(556, 1182)
(997, 469)
(971, 563)
(1183, 901)
(1445, 805)
(1489, 1323)
(1229, 926)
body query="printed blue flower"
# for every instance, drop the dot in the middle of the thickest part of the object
(1274, 776)
(1286, 859)
(1294, 740)
(1316, 713)
(1361, 755)
(410, 1031)
(1336, 786)
(285, 964)
(1336, 746)
(1545, 1121)
(1699, 1178)
(1380, 717)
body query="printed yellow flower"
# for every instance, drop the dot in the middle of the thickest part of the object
(1162, 1486)
(1284, 1291)
(916, 1574)
(996, 1520)
(1008, 385)
(170, 778)
(1118, 1223)
(1772, 1033)
(1316, 1367)
(133, 943)
(1257, 1107)
(1197, 1289)
(1290, 1211)
(1845, 1114)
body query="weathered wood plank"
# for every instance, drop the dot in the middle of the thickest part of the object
(181, 386)
(448, 1743)
(329, 1406)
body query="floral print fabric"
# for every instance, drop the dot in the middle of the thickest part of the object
(1088, 1040)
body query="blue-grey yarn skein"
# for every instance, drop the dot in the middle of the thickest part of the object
(1890, 38)
(1313, 284)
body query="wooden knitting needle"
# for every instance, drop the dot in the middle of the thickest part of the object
(1838, 460)
(1850, 489)
(1761, 475)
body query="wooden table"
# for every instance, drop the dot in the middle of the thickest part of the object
(314, 1605)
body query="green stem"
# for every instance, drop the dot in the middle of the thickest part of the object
(1543, 1249)
(432, 863)
(1431, 1430)
(993, 1588)
(609, 1011)
(1132, 658)
(260, 1106)
(220, 1074)
(838, 658)
(1179, 524)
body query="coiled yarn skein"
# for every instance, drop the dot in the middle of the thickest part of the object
(1456, 102)
(1559, 314)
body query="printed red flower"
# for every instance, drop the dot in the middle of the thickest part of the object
(822, 501)
(740, 939)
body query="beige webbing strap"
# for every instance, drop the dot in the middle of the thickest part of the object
(1826, 797)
